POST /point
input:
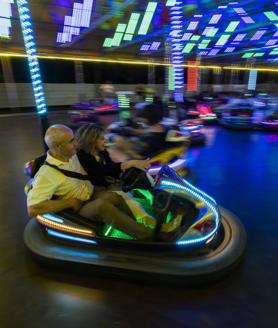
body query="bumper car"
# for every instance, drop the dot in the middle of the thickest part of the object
(238, 119)
(206, 114)
(79, 117)
(193, 127)
(210, 241)
(97, 106)
(270, 123)
(189, 127)
(173, 155)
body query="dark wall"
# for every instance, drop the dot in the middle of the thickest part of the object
(1, 75)
(21, 70)
(52, 71)
(116, 73)
(57, 71)
(60, 71)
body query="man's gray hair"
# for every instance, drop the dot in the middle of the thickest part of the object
(55, 134)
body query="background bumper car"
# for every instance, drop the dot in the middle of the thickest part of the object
(238, 119)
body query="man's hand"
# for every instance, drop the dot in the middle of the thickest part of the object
(56, 205)
(75, 204)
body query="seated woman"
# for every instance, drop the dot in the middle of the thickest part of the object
(148, 140)
(96, 161)
(103, 173)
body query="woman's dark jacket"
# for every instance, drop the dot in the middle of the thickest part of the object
(101, 173)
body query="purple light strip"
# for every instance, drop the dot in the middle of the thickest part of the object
(145, 47)
(213, 52)
(243, 14)
(155, 45)
(192, 25)
(258, 35)
(229, 49)
(271, 42)
(240, 11)
(239, 37)
(247, 20)
(270, 123)
(186, 36)
(215, 19)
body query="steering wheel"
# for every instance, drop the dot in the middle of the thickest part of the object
(135, 178)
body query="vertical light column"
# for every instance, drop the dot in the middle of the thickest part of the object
(176, 32)
(251, 75)
(192, 76)
(252, 80)
(30, 46)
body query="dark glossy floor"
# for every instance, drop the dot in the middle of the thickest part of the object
(239, 169)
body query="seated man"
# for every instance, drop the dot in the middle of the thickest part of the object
(76, 192)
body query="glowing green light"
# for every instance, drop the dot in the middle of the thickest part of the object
(108, 231)
(121, 28)
(211, 32)
(169, 217)
(232, 26)
(117, 39)
(274, 52)
(107, 43)
(147, 18)
(114, 233)
(131, 26)
(188, 48)
(222, 40)
(259, 54)
(171, 82)
(207, 41)
(123, 101)
(170, 3)
(204, 44)
(149, 99)
(4, 36)
(247, 55)
(147, 194)
(195, 38)
(271, 15)
(128, 37)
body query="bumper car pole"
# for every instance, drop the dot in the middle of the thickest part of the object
(44, 124)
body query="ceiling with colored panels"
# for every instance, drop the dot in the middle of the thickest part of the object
(213, 31)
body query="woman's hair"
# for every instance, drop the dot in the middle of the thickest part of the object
(87, 136)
